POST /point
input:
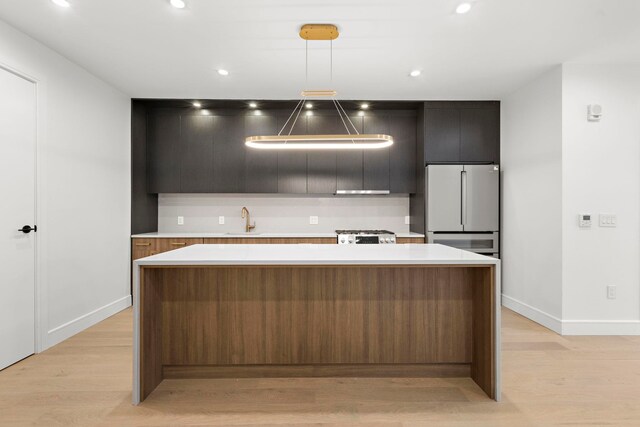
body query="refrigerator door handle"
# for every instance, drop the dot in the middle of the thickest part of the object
(463, 197)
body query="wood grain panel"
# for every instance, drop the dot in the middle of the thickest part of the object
(483, 359)
(141, 248)
(267, 241)
(410, 240)
(316, 315)
(151, 339)
(165, 245)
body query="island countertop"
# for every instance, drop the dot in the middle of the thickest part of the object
(313, 254)
(313, 310)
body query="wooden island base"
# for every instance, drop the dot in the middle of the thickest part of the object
(320, 320)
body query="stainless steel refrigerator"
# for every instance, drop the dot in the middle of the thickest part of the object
(462, 207)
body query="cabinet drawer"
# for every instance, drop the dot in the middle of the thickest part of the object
(141, 248)
(410, 240)
(165, 245)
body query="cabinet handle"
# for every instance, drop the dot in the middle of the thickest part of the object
(178, 243)
(143, 244)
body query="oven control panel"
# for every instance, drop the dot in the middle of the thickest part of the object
(366, 239)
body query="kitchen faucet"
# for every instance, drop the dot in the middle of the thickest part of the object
(248, 226)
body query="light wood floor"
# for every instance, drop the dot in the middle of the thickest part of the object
(547, 380)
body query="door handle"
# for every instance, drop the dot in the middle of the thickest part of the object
(463, 197)
(27, 229)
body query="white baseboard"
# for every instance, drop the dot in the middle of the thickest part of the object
(538, 316)
(69, 329)
(601, 327)
(572, 327)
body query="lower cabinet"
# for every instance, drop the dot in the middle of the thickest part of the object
(410, 240)
(273, 241)
(141, 248)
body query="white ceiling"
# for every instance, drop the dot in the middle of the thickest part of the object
(148, 49)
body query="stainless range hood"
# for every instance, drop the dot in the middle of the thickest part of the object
(365, 192)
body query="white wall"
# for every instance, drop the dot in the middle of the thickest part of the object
(531, 161)
(554, 272)
(83, 189)
(601, 174)
(281, 214)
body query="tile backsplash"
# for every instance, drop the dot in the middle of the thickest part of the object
(281, 214)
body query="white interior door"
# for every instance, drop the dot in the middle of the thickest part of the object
(17, 208)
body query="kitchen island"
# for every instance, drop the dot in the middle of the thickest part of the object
(230, 311)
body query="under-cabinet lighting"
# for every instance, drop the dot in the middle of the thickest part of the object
(178, 4)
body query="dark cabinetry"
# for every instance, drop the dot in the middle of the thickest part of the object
(261, 166)
(196, 165)
(322, 172)
(192, 151)
(163, 152)
(228, 154)
(462, 132)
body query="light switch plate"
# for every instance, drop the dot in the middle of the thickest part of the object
(221, 220)
(407, 220)
(180, 220)
(612, 292)
(608, 220)
(313, 220)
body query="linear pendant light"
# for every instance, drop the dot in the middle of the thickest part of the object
(348, 141)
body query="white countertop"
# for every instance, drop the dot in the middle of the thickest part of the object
(157, 235)
(313, 254)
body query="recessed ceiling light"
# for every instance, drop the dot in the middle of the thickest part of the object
(364, 106)
(309, 113)
(463, 8)
(308, 105)
(223, 72)
(196, 104)
(415, 73)
(178, 4)
(253, 105)
(61, 3)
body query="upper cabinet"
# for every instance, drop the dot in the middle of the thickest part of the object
(196, 165)
(163, 148)
(462, 132)
(228, 154)
(260, 166)
(402, 154)
(192, 152)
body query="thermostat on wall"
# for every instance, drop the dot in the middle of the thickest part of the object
(584, 220)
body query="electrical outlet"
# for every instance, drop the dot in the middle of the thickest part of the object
(612, 292)
(407, 220)
(608, 220)
(313, 220)
(221, 220)
(180, 220)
